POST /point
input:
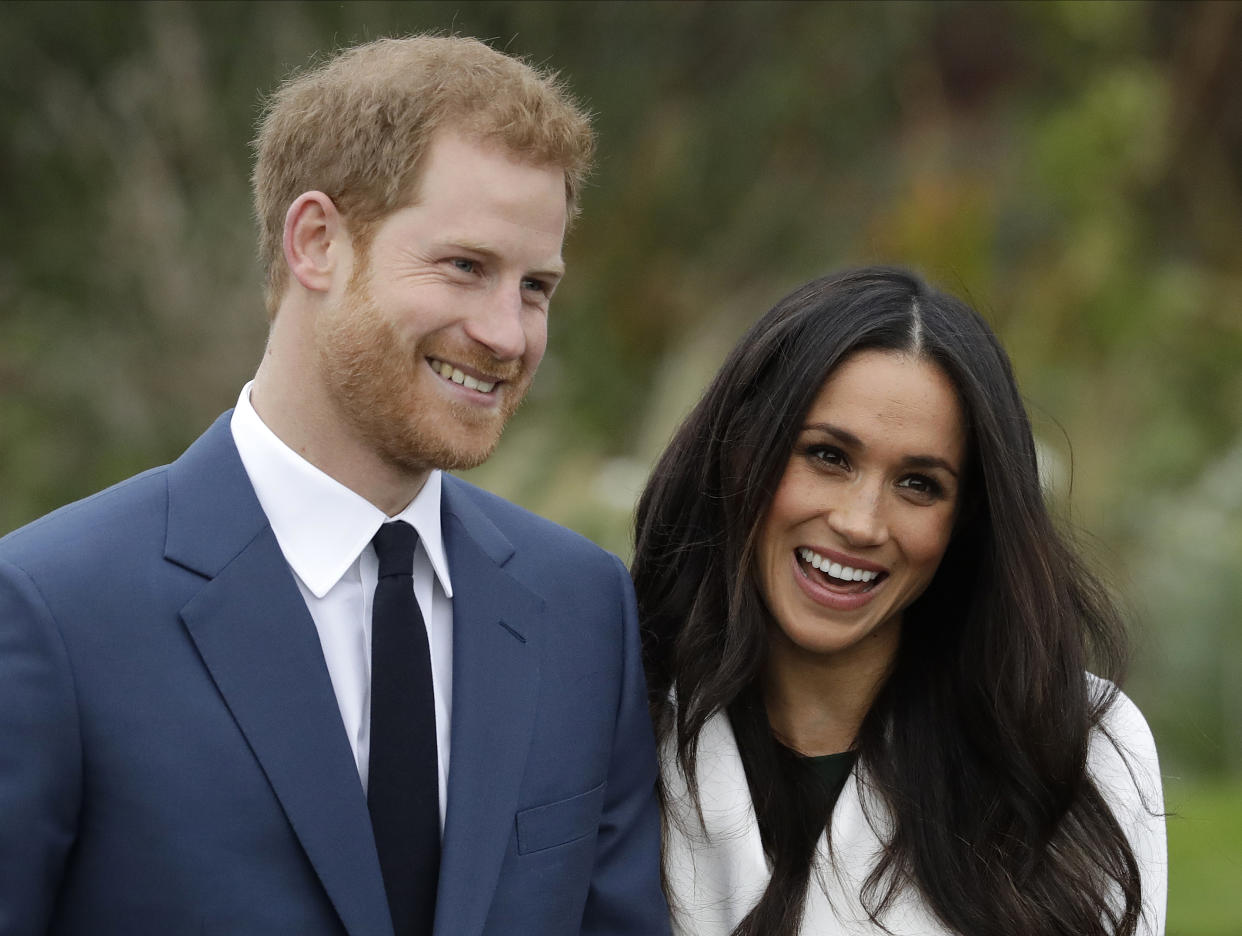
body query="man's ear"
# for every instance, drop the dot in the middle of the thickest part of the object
(312, 226)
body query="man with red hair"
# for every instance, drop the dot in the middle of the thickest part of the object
(301, 681)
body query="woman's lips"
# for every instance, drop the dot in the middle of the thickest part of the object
(823, 586)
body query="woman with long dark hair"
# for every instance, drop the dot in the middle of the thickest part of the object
(868, 646)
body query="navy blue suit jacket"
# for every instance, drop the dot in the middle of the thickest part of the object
(172, 758)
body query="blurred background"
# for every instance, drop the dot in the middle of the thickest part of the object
(1073, 169)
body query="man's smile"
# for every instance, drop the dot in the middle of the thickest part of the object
(470, 381)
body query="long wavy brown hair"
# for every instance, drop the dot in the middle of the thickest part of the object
(977, 741)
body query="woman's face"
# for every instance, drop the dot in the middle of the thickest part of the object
(865, 508)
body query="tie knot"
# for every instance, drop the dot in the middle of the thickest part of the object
(394, 545)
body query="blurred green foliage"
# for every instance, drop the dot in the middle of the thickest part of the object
(1072, 168)
(1205, 858)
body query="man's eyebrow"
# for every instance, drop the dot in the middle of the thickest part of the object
(554, 269)
(910, 461)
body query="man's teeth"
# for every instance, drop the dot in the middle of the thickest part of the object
(835, 569)
(449, 372)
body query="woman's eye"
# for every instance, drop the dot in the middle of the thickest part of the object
(828, 455)
(922, 485)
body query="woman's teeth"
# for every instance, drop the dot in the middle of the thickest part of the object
(449, 372)
(835, 569)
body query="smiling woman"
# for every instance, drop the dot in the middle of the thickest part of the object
(849, 485)
(867, 645)
(855, 531)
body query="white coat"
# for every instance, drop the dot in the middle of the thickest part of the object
(717, 870)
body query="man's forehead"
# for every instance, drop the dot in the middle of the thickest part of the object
(458, 141)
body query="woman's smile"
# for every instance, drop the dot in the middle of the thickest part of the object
(865, 508)
(835, 580)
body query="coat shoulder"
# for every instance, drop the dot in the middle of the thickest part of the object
(95, 526)
(534, 538)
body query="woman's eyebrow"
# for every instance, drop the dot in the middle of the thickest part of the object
(928, 461)
(843, 434)
(911, 461)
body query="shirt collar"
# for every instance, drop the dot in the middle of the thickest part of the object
(321, 525)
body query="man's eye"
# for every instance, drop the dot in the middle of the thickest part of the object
(466, 266)
(536, 285)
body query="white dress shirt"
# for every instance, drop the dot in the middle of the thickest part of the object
(324, 530)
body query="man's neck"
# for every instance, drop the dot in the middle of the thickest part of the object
(293, 407)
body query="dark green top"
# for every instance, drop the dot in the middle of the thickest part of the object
(831, 770)
(827, 772)
(820, 780)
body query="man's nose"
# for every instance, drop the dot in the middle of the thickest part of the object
(496, 323)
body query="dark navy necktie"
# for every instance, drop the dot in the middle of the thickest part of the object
(403, 791)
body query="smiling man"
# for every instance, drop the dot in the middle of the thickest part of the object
(300, 681)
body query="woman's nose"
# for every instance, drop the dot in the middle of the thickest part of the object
(858, 518)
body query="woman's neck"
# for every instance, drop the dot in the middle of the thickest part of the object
(816, 703)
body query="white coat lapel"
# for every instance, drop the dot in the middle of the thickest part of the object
(717, 869)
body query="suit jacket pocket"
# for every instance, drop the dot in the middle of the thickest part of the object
(559, 823)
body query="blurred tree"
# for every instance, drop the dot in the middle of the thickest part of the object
(1073, 168)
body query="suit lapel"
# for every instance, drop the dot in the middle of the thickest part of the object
(495, 685)
(259, 643)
